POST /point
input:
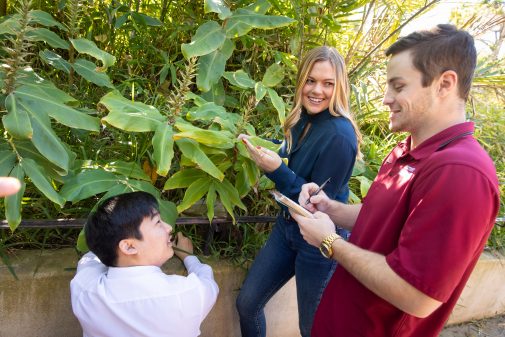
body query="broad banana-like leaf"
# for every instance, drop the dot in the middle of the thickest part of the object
(130, 116)
(163, 144)
(11, 25)
(121, 20)
(278, 104)
(146, 20)
(208, 37)
(131, 170)
(184, 178)
(258, 141)
(38, 178)
(88, 70)
(85, 46)
(168, 211)
(47, 142)
(47, 36)
(219, 139)
(251, 170)
(240, 79)
(16, 121)
(364, 185)
(244, 20)
(87, 184)
(273, 75)
(27, 149)
(216, 94)
(55, 60)
(211, 66)
(7, 162)
(191, 150)
(210, 200)
(82, 245)
(217, 6)
(194, 192)
(47, 99)
(45, 19)
(229, 196)
(260, 6)
(260, 90)
(241, 183)
(208, 111)
(13, 202)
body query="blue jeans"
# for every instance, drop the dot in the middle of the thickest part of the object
(286, 254)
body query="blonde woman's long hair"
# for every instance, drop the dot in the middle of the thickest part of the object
(339, 102)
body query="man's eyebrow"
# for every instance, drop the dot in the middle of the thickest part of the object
(394, 79)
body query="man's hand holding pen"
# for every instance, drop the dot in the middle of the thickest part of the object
(318, 202)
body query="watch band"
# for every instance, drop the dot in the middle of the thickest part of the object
(326, 245)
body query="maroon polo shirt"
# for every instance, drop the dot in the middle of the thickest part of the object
(430, 212)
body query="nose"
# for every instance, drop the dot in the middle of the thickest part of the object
(318, 88)
(388, 98)
(168, 228)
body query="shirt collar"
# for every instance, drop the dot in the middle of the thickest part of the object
(126, 272)
(317, 118)
(439, 140)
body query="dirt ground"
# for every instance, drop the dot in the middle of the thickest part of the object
(491, 327)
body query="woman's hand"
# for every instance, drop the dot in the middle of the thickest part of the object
(266, 159)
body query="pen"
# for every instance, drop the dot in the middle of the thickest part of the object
(317, 191)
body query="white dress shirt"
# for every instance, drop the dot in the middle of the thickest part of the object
(142, 300)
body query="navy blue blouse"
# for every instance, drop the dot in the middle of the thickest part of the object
(328, 150)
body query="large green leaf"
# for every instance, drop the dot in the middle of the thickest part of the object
(51, 101)
(45, 19)
(130, 116)
(7, 162)
(229, 196)
(146, 20)
(194, 193)
(207, 38)
(16, 121)
(168, 211)
(210, 200)
(128, 169)
(211, 66)
(273, 75)
(47, 142)
(87, 184)
(260, 90)
(55, 60)
(88, 70)
(11, 25)
(211, 112)
(240, 79)
(217, 94)
(244, 20)
(85, 46)
(45, 35)
(192, 150)
(27, 149)
(13, 202)
(163, 145)
(217, 6)
(38, 178)
(278, 104)
(218, 139)
(183, 178)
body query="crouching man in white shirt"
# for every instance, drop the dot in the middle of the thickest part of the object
(119, 288)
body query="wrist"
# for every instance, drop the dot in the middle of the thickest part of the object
(326, 246)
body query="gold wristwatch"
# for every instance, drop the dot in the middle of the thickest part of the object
(326, 248)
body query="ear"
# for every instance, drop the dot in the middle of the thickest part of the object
(127, 247)
(447, 83)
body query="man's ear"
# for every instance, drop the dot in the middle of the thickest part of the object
(447, 83)
(127, 247)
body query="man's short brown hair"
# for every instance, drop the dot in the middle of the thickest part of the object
(443, 48)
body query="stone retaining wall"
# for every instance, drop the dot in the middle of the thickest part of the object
(38, 304)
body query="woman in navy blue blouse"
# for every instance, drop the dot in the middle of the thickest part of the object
(321, 142)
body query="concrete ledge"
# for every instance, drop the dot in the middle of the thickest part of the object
(38, 304)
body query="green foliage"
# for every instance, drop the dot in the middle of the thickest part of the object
(99, 98)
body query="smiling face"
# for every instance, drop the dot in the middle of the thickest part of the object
(319, 87)
(155, 247)
(412, 106)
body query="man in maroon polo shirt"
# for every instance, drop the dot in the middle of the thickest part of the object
(427, 216)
